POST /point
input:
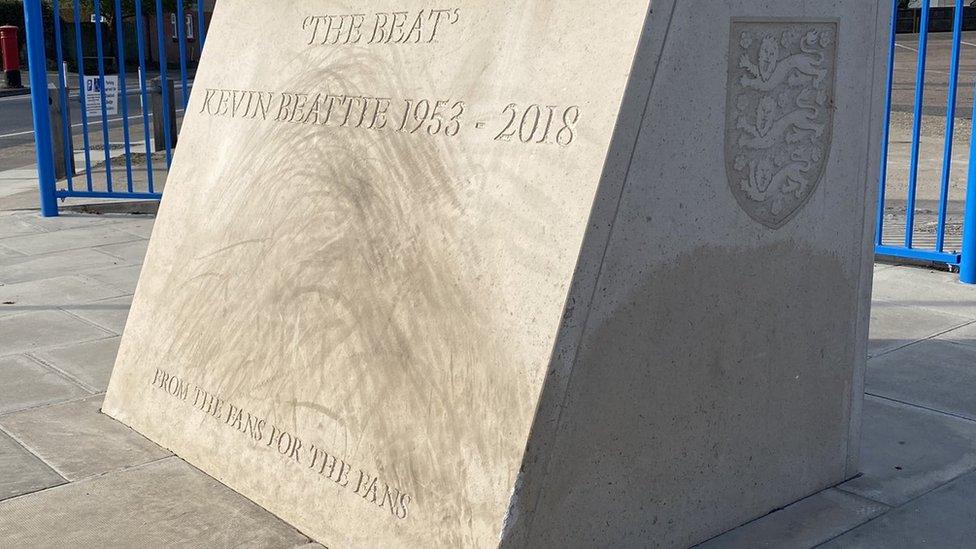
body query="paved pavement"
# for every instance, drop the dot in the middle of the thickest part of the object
(70, 476)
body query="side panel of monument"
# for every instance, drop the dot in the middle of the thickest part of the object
(720, 371)
(370, 230)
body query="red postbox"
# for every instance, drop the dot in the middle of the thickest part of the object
(10, 54)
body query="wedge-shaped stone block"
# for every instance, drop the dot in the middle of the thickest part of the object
(522, 272)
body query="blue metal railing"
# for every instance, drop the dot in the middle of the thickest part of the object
(903, 245)
(117, 160)
(965, 257)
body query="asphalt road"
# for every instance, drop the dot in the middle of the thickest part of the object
(17, 127)
(935, 92)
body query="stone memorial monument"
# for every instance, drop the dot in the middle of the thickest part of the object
(518, 273)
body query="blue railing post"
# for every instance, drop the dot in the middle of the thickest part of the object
(886, 132)
(923, 35)
(967, 264)
(37, 64)
(950, 126)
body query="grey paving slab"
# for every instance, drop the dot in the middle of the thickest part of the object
(35, 267)
(907, 451)
(131, 252)
(806, 523)
(78, 441)
(69, 239)
(925, 288)
(68, 220)
(894, 326)
(141, 225)
(22, 472)
(965, 335)
(24, 383)
(110, 314)
(7, 254)
(937, 374)
(32, 331)
(90, 362)
(944, 518)
(17, 225)
(53, 293)
(164, 504)
(123, 278)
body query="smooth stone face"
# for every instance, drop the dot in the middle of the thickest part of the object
(515, 272)
(397, 265)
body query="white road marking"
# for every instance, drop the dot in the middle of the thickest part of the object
(906, 47)
(78, 125)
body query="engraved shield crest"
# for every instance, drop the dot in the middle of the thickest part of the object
(779, 114)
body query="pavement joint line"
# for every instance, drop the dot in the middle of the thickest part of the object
(60, 346)
(110, 254)
(87, 479)
(126, 292)
(45, 405)
(81, 246)
(888, 509)
(920, 406)
(926, 338)
(124, 468)
(90, 323)
(13, 251)
(26, 310)
(64, 374)
(58, 371)
(895, 507)
(778, 509)
(33, 453)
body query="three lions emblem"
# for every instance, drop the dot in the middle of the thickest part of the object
(779, 114)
